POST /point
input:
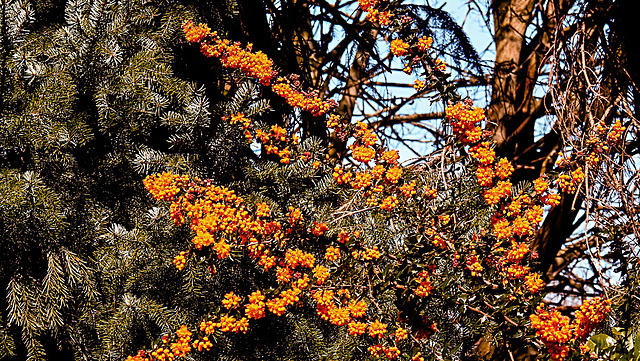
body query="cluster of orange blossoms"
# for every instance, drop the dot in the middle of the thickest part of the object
(424, 43)
(217, 214)
(232, 55)
(600, 143)
(177, 349)
(276, 141)
(557, 332)
(309, 101)
(518, 217)
(465, 120)
(374, 15)
(379, 17)
(399, 47)
(255, 65)
(222, 222)
(382, 181)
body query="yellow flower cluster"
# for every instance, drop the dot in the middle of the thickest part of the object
(533, 283)
(367, 254)
(180, 261)
(231, 301)
(363, 154)
(482, 153)
(332, 254)
(502, 190)
(591, 315)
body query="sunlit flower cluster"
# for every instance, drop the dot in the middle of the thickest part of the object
(164, 186)
(399, 47)
(424, 43)
(465, 119)
(502, 190)
(193, 33)
(368, 5)
(255, 65)
(557, 331)
(379, 17)
(569, 182)
(533, 283)
(288, 89)
(424, 285)
(592, 314)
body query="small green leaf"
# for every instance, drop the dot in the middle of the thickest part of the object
(603, 341)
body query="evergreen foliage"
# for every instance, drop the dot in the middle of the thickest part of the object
(90, 105)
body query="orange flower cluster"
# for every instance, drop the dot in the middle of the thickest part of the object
(255, 308)
(615, 133)
(482, 153)
(377, 329)
(362, 180)
(362, 148)
(501, 190)
(277, 142)
(408, 189)
(424, 43)
(340, 176)
(379, 17)
(473, 265)
(332, 254)
(309, 101)
(568, 183)
(590, 316)
(220, 217)
(376, 16)
(389, 203)
(464, 119)
(180, 261)
(165, 186)
(533, 283)
(255, 65)
(245, 122)
(424, 285)
(393, 174)
(368, 5)
(319, 228)
(399, 47)
(226, 324)
(177, 349)
(556, 331)
(599, 143)
(231, 301)
(363, 154)
(193, 33)
(367, 254)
